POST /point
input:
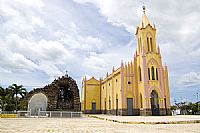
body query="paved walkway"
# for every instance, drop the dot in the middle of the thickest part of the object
(178, 119)
(87, 125)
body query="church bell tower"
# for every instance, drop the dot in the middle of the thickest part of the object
(153, 89)
(146, 35)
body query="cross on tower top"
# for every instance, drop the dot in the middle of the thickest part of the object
(144, 8)
(66, 73)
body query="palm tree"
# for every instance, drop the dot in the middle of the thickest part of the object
(16, 91)
(5, 97)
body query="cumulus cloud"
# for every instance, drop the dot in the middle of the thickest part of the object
(118, 12)
(178, 37)
(32, 43)
(190, 79)
(19, 16)
(95, 62)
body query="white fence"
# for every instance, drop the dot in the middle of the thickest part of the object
(8, 112)
(50, 114)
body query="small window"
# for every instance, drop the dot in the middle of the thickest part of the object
(151, 42)
(152, 73)
(116, 80)
(109, 84)
(148, 44)
(149, 73)
(156, 73)
(140, 74)
(140, 44)
(129, 82)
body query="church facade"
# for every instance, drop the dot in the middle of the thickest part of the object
(138, 87)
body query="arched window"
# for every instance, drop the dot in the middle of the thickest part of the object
(156, 73)
(151, 43)
(140, 74)
(149, 73)
(140, 46)
(152, 73)
(148, 44)
(141, 102)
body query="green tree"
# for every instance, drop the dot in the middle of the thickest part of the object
(173, 107)
(5, 97)
(194, 108)
(17, 90)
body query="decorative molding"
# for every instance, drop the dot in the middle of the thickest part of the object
(93, 84)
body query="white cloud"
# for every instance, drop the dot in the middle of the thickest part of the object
(37, 3)
(96, 62)
(96, 2)
(43, 55)
(49, 51)
(118, 12)
(173, 29)
(85, 43)
(75, 41)
(26, 48)
(37, 22)
(14, 60)
(51, 70)
(190, 79)
(2, 70)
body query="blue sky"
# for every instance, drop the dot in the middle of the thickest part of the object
(41, 39)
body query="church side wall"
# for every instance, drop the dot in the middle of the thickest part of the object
(129, 89)
(111, 94)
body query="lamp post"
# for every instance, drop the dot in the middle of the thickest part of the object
(197, 94)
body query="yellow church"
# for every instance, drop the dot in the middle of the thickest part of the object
(138, 87)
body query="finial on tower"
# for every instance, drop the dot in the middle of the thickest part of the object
(144, 8)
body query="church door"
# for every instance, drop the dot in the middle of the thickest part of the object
(93, 108)
(116, 106)
(154, 103)
(105, 108)
(129, 106)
